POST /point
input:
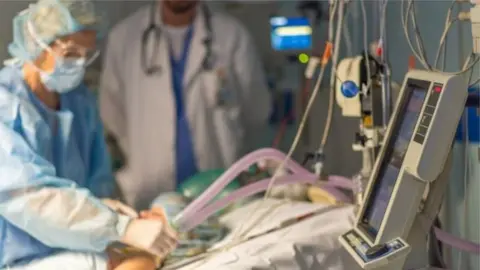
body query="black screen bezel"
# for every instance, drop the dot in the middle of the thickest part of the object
(411, 84)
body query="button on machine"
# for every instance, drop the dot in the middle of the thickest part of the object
(427, 115)
(377, 251)
(426, 119)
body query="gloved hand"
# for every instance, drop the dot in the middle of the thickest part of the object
(152, 235)
(120, 208)
(154, 213)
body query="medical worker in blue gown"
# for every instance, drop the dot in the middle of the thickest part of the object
(54, 166)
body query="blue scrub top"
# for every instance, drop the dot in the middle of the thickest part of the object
(184, 151)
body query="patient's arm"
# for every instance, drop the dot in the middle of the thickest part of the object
(137, 263)
(131, 260)
(135, 259)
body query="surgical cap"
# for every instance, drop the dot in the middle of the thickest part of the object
(50, 20)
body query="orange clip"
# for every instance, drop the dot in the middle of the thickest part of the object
(327, 53)
(411, 62)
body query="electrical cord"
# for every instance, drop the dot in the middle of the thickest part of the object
(420, 54)
(365, 44)
(418, 36)
(443, 40)
(331, 18)
(331, 101)
(443, 45)
(383, 20)
(404, 18)
(346, 34)
(475, 82)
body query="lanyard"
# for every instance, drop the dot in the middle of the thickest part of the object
(184, 150)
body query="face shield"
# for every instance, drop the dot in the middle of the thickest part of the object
(44, 26)
(68, 49)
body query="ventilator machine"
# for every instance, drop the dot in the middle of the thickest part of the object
(410, 176)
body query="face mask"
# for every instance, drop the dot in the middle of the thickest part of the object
(66, 76)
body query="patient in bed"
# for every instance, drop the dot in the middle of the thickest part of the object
(194, 242)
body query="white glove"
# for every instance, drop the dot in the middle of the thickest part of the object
(151, 235)
(120, 208)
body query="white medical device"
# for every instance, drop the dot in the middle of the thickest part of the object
(367, 104)
(349, 69)
(409, 178)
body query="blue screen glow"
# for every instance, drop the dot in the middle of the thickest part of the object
(290, 34)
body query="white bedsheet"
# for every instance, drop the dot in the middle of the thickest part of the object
(307, 245)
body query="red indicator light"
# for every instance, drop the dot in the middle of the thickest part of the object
(437, 89)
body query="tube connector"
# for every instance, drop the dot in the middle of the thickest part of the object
(311, 67)
(319, 159)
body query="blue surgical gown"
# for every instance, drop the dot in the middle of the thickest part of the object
(53, 168)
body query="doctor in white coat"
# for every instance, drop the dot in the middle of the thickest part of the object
(182, 91)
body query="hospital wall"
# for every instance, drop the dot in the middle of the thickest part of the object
(8, 9)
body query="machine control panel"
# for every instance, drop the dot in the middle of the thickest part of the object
(371, 253)
(414, 153)
(377, 250)
(428, 112)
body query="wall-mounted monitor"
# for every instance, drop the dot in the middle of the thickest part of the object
(290, 34)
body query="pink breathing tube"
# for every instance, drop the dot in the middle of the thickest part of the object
(235, 170)
(197, 211)
(246, 191)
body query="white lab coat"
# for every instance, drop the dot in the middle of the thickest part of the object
(140, 110)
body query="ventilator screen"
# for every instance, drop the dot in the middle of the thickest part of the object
(397, 146)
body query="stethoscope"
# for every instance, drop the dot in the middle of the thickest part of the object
(153, 29)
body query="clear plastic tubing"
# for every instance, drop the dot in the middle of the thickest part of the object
(249, 190)
(235, 170)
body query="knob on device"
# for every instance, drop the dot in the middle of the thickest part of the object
(349, 89)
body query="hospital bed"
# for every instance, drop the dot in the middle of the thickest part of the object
(311, 243)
